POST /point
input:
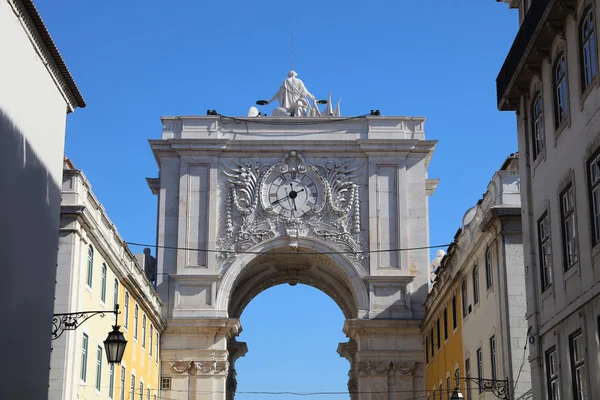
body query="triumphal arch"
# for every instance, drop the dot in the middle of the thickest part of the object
(301, 196)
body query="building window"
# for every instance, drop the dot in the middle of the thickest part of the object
(132, 386)
(561, 98)
(567, 210)
(456, 373)
(432, 344)
(144, 331)
(465, 298)
(493, 356)
(141, 390)
(135, 321)
(480, 369)
(488, 268)
(552, 375)
(587, 41)
(439, 341)
(90, 266)
(156, 347)
(537, 128)
(150, 336)
(468, 375)
(103, 291)
(448, 386)
(434, 397)
(446, 323)
(122, 396)
(111, 381)
(115, 295)
(475, 284)
(426, 350)
(454, 322)
(594, 188)
(126, 311)
(84, 353)
(98, 368)
(441, 392)
(576, 347)
(148, 394)
(545, 251)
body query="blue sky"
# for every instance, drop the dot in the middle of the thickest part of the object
(137, 60)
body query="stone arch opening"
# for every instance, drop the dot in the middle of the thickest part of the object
(334, 274)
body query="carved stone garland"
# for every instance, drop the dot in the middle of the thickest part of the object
(247, 224)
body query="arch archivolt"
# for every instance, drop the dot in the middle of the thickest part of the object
(334, 274)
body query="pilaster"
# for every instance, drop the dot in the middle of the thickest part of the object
(388, 360)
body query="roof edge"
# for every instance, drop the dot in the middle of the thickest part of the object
(27, 7)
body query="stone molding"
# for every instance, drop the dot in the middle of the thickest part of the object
(204, 367)
(366, 368)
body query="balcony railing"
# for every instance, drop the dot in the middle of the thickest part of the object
(526, 34)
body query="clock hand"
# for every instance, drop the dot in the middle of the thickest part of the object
(278, 200)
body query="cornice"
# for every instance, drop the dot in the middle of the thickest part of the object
(42, 42)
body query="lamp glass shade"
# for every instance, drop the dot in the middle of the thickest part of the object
(114, 345)
(456, 395)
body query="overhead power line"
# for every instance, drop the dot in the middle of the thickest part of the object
(286, 252)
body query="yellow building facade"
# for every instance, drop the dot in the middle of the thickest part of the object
(442, 335)
(96, 270)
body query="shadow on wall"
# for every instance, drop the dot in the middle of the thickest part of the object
(29, 223)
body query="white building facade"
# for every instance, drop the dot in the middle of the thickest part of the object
(36, 93)
(551, 78)
(96, 271)
(300, 197)
(487, 258)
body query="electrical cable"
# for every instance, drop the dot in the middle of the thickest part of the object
(286, 252)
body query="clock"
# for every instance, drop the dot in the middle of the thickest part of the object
(292, 192)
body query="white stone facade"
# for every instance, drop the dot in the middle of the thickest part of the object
(484, 266)
(36, 93)
(220, 188)
(96, 270)
(557, 99)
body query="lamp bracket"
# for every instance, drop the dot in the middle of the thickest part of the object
(71, 321)
(498, 387)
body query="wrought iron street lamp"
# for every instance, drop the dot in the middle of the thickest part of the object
(115, 342)
(496, 386)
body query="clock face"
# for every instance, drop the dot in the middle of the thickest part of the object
(292, 194)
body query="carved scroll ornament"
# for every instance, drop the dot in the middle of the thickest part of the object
(180, 366)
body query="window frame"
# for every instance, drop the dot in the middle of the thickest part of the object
(89, 279)
(569, 260)
(468, 376)
(85, 341)
(104, 278)
(111, 381)
(132, 386)
(591, 186)
(144, 331)
(552, 373)
(454, 316)
(141, 390)
(99, 351)
(122, 380)
(432, 344)
(445, 323)
(475, 274)
(464, 294)
(493, 364)
(489, 271)
(545, 250)
(538, 131)
(151, 336)
(587, 44)
(126, 311)
(426, 349)
(560, 86)
(439, 336)
(480, 369)
(136, 311)
(579, 393)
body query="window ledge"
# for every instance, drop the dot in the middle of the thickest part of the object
(547, 293)
(590, 87)
(561, 127)
(571, 271)
(538, 160)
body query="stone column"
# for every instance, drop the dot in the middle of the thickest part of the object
(236, 350)
(348, 351)
(388, 360)
(194, 353)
